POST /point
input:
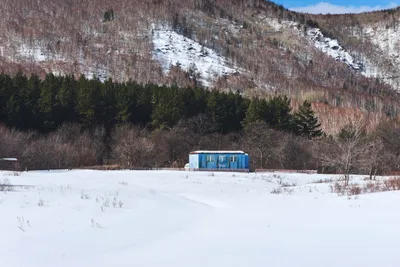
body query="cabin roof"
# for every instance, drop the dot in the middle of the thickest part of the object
(217, 152)
(8, 159)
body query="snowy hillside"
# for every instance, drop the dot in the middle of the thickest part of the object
(327, 45)
(387, 41)
(180, 219)
(54, 62)
(171, 49)
(332, 48)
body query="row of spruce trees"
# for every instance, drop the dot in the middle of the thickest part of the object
(31, 103)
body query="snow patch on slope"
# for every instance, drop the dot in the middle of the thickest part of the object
(171, 49)
(387, 40)
(327, 45)
(278, 26)
(32, 53)
(332, 48)
(38, 53)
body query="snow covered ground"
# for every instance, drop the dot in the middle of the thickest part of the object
(168, 218)
(171, 49)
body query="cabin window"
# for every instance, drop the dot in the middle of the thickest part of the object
(234, 159)
(210, 159)
(222, 158)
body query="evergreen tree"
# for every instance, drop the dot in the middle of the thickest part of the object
(66, 97)
(89, 100)
(108, 15)
(256, 111)
(278, 114)
(168, 107)
(47, 102)
(306, 122)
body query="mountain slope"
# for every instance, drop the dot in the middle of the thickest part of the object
(349, 63)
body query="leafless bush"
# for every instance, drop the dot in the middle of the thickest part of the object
(132, 147)
(338, 188)
(276, 191)
(281, 179)
(288, 190)
(106, 202)
(324, 181)
(85, 195)
(114, 202)
(392, 184)
(22, 223)
(95, 224)
(373, 187)
(355, 189)
(40, 203)
(350, 190)
(285, 184)
(5, 186)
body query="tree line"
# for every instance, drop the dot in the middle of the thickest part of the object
(29, 103)
(63, 122)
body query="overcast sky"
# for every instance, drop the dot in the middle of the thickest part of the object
(337, 6)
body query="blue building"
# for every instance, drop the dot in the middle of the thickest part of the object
(219, 160)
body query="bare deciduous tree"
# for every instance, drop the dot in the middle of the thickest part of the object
(132, 147)
(348, 150)
(259, 143)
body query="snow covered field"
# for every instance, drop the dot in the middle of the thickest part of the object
(167, 218)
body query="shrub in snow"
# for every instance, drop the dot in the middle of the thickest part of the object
(41, 203)
(106, 202)
(85, 195)
(95, 224)
(393, 183)
(276, 191)
(5, 186)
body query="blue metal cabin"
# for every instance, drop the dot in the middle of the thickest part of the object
(219, 160)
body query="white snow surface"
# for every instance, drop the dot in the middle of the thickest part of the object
(332, 48)
(178, 219)
(171, 49)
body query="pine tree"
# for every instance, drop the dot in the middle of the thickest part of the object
(255, 112)
(306, 122)
(278, 114)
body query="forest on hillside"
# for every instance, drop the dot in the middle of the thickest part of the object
(29, 103)
(114, 39)
(62, 122)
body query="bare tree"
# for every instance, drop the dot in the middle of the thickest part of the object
(377, 158)
(259, 143)
(200, 126)
(389, 134)
(348, 150)
(132, 147)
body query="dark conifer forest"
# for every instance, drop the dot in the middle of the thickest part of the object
(29, 103)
